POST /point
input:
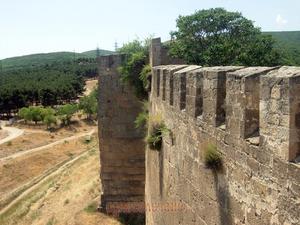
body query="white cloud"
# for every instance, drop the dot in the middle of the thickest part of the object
(280, 20)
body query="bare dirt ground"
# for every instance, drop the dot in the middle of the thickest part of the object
(90, 85)
(18, 172)
(47, 146)
(34, 138)
(11, 133)
(3, 134)
(69, 197)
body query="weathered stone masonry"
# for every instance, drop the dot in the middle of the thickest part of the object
(121, 145)
(252, 115)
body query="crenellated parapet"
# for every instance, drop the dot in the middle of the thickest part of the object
(252, 116)
(247, 103)
(280, 112)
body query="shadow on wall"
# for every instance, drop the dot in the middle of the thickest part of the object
(161, 172)
(222, 192)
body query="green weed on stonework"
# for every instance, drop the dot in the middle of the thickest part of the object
(142, 119)
(157, 129)
(212, 158)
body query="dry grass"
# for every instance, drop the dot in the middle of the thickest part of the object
(18, 172)
(64, 198)
(3, 134)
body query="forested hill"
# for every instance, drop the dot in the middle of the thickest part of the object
(37, 60)
(93, 53)
(289, 43)
(45, 79)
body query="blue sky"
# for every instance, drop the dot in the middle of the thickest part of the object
(34, 26)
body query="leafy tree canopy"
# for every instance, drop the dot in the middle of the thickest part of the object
(48, 85)
(50, 120)
(89, 104)
(65, 112)
(218, 37)
(36, 113)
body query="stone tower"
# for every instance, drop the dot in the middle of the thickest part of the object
(121, 145)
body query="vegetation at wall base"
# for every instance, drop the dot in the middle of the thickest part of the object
(215, 37)
(91, 208)
(212, 158)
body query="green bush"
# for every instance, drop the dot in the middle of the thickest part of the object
(89, 104)
(212, 158)
(141, 120)
(157, 130)
(91, 208)
(24, 113)
(50, 120)
(65, 112)
(38, 114)
(135, 68)
(87, 139)
(32, 113)
(144, 76)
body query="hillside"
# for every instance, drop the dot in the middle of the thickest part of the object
(93, 53)
(289, 43)
(37, 60)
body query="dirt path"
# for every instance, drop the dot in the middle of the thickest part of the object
(69, 196)
(61, 141)
(32, 188)
(90, 85)
(12, 134)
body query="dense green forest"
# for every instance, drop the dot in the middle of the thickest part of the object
(289, 43)
(45, 79)
(47, 87)
(50, 79)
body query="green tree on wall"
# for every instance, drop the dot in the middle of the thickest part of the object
(218, 37)
(134, 69)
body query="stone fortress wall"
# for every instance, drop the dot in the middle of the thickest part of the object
(252, 115)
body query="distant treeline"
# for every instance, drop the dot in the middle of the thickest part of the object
(47, 85)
